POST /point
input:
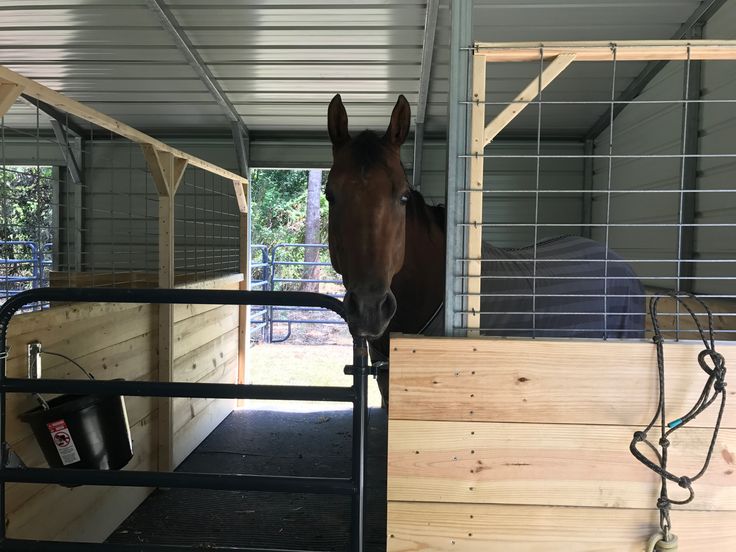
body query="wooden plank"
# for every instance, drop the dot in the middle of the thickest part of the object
(166, 169)
(197, 331)
(186, 409)
(521, 101)
(191, 435)
(415, 527)
(9, 92)
(626, 50)
(197, 363)
(544, 381)
(240, 195)
(552, 464)
(59, 101)
(475, 198)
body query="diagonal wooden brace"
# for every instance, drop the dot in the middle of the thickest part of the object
(9, 92)
(550, 73)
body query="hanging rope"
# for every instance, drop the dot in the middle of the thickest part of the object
(714, 386)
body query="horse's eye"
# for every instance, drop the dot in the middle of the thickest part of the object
(404, 199)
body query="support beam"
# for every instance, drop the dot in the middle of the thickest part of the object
(457, 142)
(169, 22)
(242, 193)
(64, 119)
(56, 100)
(167, 171)
(475, 200)
(72, 163)
(430, 27)
(509, 113)
(601, 50)
(9, 92)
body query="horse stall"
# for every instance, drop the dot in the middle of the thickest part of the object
(505, 431)
(525, 441)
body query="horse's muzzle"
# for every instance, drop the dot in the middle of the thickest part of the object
(369, 314)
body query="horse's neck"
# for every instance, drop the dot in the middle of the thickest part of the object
(419, 285)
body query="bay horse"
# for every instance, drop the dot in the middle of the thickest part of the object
(389, 246)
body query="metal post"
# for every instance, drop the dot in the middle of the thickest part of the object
(588, 173)
(689, 170)
(361, 370)
(457, 140)
(416, 168)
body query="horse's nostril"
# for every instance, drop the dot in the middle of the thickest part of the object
(388, 306)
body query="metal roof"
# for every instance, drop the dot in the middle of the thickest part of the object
(279, 62)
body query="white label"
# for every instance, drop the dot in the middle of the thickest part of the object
(63, 441)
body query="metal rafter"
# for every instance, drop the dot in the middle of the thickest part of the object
(698, 18)
(185, 45)
(430, 27)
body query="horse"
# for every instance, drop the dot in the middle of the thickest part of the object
(389, 246)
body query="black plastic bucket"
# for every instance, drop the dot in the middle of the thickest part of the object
(83, 432)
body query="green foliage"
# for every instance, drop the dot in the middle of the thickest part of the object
(278, 211)
(25, 212)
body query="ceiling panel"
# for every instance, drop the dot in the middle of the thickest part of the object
(281, 61)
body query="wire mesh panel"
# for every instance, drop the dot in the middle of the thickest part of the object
(575, 231)
(207, 227)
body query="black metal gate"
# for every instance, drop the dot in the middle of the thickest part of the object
(357, 394)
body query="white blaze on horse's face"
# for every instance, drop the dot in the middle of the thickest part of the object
(367, 192)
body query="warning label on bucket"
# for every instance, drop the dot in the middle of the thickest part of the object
(63, 441)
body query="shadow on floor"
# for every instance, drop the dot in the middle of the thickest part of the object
(269, 443)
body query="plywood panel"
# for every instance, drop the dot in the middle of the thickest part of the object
(543, 381)
(415, 527)
(195, 331)
(554, 464)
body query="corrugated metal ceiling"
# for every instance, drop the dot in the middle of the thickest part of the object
(280, 62)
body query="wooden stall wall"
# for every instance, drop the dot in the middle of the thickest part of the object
(116, 341)
(110, 341)
(205, 351)
(518, 445)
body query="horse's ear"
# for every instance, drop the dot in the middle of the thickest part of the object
(398, 128)
(337, 122)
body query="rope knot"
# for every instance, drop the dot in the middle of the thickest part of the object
(685, 482)
(640, 436)
(719, 385)
(664, 442)
(657, 338)
(663, 503)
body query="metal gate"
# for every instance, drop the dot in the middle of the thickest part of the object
(356, 394)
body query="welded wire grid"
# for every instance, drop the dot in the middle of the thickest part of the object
(100, 228)
(676, 227)
(206, 227)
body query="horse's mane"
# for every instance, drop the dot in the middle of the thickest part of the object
(418, 208)
(367, 150)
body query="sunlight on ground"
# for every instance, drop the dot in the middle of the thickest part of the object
(301, 364)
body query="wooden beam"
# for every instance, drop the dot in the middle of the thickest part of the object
(490, 527)
(626, 50)
(545, 381)
(59, 101)
(240, 195)
(244, 310)
(475, 198)
(167, 170)
(509, 113)
(570, 465)
(9, 92)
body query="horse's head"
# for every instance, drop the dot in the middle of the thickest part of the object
(367, 191)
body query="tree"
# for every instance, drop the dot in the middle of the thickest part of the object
(312, 229)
